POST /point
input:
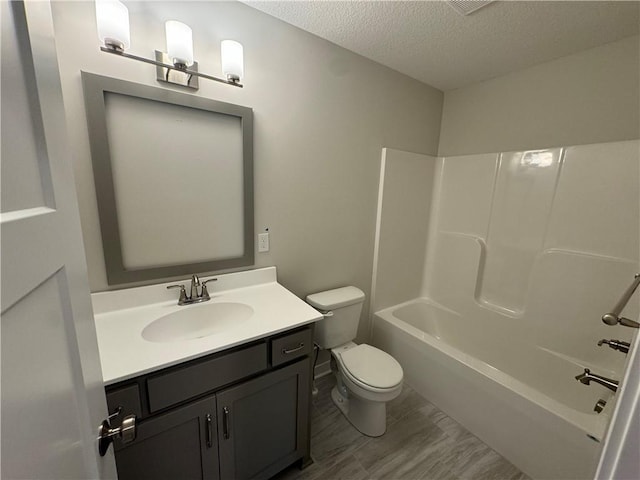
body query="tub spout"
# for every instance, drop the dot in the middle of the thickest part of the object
(587, 377)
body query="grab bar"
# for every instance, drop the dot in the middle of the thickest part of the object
(613, 317)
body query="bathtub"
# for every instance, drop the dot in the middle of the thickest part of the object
(520, 399)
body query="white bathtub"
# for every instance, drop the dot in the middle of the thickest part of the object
(522, 400)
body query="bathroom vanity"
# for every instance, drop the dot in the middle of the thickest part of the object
(232, 404)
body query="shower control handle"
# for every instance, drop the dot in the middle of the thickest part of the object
(616, 345)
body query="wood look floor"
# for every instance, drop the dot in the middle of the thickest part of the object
(421, 442)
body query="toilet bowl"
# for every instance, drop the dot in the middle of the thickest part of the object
(366, 377)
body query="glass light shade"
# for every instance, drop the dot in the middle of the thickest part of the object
(112, 18)
(179, 42)
(537, 159)
(232, 60)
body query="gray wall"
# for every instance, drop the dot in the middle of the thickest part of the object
(589, 97)
(322, 116)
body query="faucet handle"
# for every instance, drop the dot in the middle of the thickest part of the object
(183, 292)
(205, 292)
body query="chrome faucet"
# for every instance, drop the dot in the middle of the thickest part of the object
(195, 283)
(586, 378)
(193, 296)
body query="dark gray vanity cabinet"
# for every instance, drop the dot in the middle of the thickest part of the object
(262, 423)
(238, 414)
(181, 444)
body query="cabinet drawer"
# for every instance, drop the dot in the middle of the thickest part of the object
(190, 381)
(126, 397)
(291, 346)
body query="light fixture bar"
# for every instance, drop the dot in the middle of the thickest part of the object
(168, 66)
(176, 76)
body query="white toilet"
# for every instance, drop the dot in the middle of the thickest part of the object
(367, 377)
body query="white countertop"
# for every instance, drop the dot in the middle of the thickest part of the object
(121, 315)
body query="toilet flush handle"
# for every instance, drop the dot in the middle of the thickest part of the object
(327, 314)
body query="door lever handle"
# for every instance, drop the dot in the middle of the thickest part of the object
(126, 431)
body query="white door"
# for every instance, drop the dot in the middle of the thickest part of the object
(52, 394)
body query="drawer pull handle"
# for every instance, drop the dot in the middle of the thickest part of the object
(225, 423)
(286, 351)
(209, 431)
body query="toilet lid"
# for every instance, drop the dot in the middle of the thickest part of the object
(372, 366)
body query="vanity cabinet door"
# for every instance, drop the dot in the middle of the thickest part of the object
(181, 444)
(262, 423)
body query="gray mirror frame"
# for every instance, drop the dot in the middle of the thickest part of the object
(94, 87)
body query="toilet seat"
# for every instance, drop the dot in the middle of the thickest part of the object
(371, 368)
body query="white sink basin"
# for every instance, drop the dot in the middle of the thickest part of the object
(197, 321)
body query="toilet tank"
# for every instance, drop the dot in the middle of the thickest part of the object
(342, 307)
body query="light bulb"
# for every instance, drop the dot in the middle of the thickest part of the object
(179, 43)
(112, 19)
(231, 56)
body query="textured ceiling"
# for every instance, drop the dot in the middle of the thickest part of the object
(431, 42)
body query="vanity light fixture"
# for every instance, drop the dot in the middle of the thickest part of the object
(177, 66)
(231, 58)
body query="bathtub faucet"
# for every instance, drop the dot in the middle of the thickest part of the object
(586, 378)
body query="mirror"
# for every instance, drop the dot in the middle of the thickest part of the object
(174, 180)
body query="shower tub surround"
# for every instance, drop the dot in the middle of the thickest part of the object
(519, 254)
